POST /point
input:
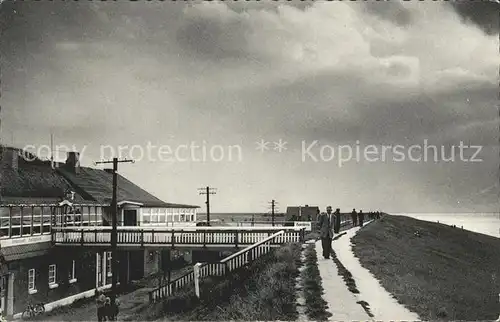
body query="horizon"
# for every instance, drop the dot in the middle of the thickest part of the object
(355, 105)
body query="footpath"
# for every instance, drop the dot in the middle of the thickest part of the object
(372, 303)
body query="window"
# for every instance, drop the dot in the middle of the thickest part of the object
(52, 276)
(154, 215)
(161, 215)
(146, 217)
(72, 276)
(108, 264)
(31, 281)
(169, 215)
(99, 268)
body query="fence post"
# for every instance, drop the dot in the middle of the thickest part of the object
(196, 270)
(498, 320)
(81, 238)
(236, 239)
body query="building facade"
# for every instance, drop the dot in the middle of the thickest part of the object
(35, 197)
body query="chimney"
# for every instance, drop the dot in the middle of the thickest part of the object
(73, 162)
(10, 158)
(307, 206)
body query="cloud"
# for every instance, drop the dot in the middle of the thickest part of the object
(384, 73)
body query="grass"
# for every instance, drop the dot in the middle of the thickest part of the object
(264, 290)
(445, 274)
(316, 306)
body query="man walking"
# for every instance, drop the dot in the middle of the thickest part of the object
(337, 220)
(326, 222)
(354, 217)
(101, 303)
(361, 218)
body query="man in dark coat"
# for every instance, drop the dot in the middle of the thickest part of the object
(337, 220)
(354, 218)
(361, 218)
(326, 222)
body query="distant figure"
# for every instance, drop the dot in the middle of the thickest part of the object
(337, 220)
(354, 218)
(326, 231)
(361, 218)
(101, 303)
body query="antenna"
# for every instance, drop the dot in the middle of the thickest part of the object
(51, 147)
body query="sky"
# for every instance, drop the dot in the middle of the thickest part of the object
(307, 78)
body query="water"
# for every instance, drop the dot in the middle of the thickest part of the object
(483, 223)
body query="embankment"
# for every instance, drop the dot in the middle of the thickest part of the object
(445, 273)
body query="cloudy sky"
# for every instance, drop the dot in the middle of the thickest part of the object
(319, 76)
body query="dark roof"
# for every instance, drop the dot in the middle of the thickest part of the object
(98, 185)
(32, 181)
(25, 251)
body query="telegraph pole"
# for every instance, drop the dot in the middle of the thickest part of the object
(114, 210)
(273, 207)
(207, 191)
(272, 214)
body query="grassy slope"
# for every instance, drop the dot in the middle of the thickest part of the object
(447, 273)
(263, 291)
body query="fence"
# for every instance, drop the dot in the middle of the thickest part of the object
(223, 267)
(195, 236)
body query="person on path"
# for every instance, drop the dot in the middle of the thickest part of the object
(337, 220)
(354, 217)
(361, 218)
(101, 303)
(107, 309)
(326, 222)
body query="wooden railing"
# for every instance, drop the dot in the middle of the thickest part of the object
(195, 236)
(224, 266)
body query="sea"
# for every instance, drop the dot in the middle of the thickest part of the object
(483, 223)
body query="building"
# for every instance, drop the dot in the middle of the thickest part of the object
(301, 213)
(35, 197)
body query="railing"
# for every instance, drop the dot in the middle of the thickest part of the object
(169, 289)
(138, 236)
(225, 266)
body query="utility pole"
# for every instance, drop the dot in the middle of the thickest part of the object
(207, 191)
(273, 207)
(114, 210)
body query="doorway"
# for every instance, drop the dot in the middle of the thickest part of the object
(130, 217)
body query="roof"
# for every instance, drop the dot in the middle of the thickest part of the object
(25, 251)
(97, 184)
(32, 182)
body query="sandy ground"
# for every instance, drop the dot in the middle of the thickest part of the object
(382, 305)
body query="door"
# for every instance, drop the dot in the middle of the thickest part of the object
(130, 217)
(136, 264)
